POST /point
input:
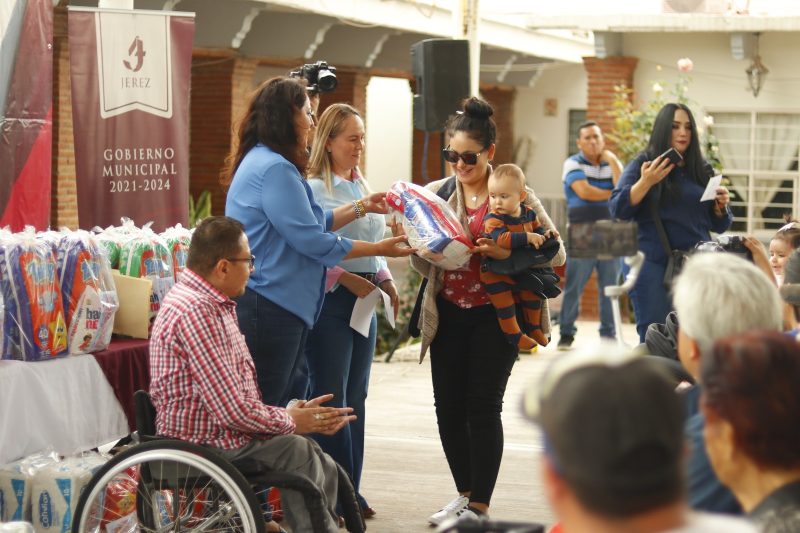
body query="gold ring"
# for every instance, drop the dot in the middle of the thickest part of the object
(318, 416)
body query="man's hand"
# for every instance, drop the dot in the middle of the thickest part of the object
(356, 284)
(535, 240)
(489, 248)
(309, 417)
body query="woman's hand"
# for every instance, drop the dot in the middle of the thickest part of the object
(376, 203)
(389, 288)
(654, 171)
(721, 201)
(309, 417)
(356, 284)
(391, 247)
(396, 226)
(489, 248)
(760, 258)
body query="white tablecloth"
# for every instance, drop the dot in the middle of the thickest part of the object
(64, 404)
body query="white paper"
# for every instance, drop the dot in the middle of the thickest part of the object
(711, 189)
(362, 311)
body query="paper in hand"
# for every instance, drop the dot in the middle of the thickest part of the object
(362, 311)
(711, 189)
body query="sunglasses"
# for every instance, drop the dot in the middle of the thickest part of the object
(251, 260)
(469, 158)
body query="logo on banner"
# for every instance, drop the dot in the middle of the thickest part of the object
(135, 64)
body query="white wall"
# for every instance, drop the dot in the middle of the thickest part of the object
(567, 84)
(718, 80)
(389, 132)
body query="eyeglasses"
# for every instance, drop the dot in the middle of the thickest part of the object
(251, 260)
(469, 158)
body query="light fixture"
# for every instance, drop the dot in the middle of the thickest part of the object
(756, 72)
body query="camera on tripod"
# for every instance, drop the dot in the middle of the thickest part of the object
(320, 76)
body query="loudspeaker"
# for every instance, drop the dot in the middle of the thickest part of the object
(441, 68)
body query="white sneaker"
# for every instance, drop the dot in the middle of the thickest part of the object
(452, 510)
(462, 516)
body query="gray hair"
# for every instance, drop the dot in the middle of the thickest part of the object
(720, 294)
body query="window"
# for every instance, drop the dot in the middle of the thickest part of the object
(759, 152)
(576, 118)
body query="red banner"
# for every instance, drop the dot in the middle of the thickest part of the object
(131, 73)
(26, 125)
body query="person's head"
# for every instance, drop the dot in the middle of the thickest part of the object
(675, 127)
(751, 401)
(783, 243)
(338, 143)
(717, 295)
(790, 289)
(506, 189)
(279, 116)
(612, 427)
(473, 135)
(220, 254)
(590, 141)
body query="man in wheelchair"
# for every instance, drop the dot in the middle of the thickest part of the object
(203, 379)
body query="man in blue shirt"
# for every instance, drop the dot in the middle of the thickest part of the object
(589, 177)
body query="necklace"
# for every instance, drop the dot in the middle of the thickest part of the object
(474, 198)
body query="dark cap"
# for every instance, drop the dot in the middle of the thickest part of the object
(613, 429)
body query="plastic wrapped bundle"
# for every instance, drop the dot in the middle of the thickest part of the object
(178, 239)
(87, 291)
(146, 256)
(15, 485)
(34, 326)
(113, 238)
(431, 225)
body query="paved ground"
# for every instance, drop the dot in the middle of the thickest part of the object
(406, 477)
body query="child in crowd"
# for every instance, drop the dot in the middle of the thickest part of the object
(785, 241)
(511, 224)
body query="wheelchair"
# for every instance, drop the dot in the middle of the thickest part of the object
(161, 485)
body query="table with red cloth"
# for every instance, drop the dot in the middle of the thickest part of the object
(73, 403)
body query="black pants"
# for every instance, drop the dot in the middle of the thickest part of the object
(471, 361)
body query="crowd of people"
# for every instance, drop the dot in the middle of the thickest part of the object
(253, 348)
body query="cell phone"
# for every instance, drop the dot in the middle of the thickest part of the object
(673, 155)
(602, 239)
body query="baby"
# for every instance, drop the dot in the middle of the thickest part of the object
(511, 224)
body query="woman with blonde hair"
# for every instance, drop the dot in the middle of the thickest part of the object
(339, 358)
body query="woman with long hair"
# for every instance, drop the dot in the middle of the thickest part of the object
(291, 237)
(651, 187)
(339, 358)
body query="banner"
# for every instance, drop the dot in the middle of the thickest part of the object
(131, 73)
(26, 124)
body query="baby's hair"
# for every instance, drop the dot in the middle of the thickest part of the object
(509, 170)
(789, 233)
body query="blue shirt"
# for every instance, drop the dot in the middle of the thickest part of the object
(287, 230)
(577, 168)
(686, 220)
(370, 228)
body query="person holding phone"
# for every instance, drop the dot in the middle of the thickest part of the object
(659, 185)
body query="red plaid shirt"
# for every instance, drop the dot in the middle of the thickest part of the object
(203, 381)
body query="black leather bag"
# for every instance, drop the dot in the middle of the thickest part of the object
(675, 258)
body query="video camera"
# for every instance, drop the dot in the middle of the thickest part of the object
(320, 76)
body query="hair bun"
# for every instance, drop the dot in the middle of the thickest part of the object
(476, 108)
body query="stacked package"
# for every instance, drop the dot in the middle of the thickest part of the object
(431, 225)
(34, 318)
(88, 293)
(146, 256)
(177, 239)
(113, 238)
(16, 481)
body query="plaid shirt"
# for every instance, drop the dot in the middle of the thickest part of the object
(203, 380)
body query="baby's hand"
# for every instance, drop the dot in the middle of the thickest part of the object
(535, 239)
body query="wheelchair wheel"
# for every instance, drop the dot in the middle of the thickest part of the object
(167, 485)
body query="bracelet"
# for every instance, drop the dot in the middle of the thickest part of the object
(358, 207)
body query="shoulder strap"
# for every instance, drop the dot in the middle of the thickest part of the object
(447, 189)
(662, 235)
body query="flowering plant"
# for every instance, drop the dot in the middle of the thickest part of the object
(633, 125)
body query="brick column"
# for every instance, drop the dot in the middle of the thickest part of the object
(601, 77)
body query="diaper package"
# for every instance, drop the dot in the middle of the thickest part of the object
(88, 293)
(56, 489)
(146, 256)
(35, 326)
(431, 225)
(177, 239)
(15, 485)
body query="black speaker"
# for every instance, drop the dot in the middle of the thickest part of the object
(441, 68)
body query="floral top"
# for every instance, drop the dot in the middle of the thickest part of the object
(464, 287)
